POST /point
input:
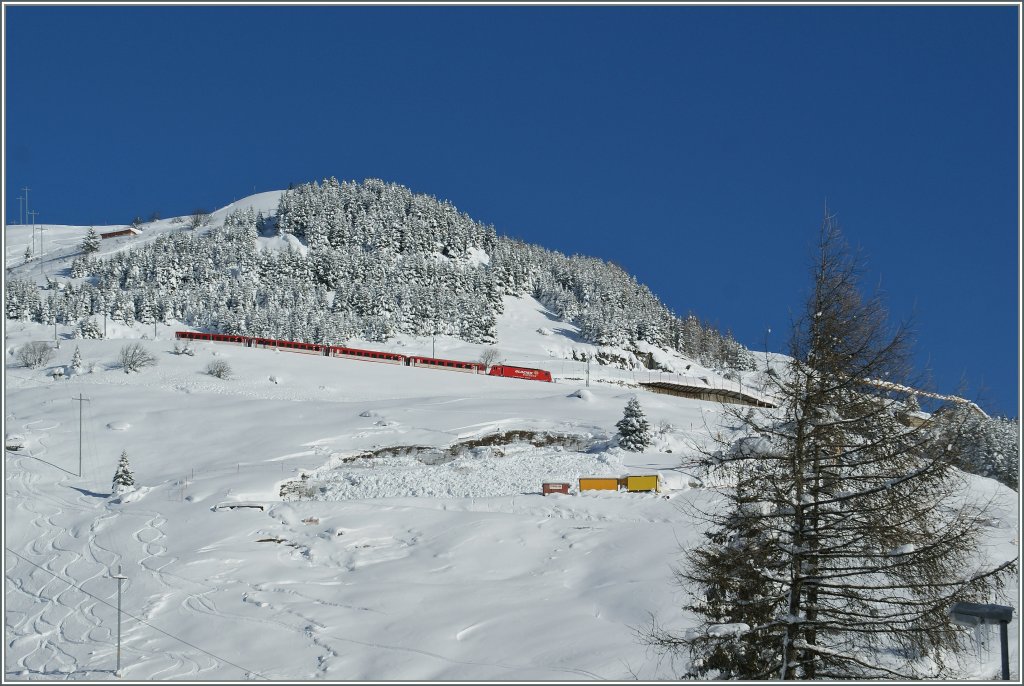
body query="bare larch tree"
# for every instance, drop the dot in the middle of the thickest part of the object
(845, 535)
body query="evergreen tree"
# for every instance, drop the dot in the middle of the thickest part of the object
(634, 431)
(988, 446)
(87, 328)
(124, 480)
(76, 360)
(91, 242)
(842, 545)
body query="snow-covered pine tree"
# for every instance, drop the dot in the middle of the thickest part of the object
(124, 480)
(87, 328)
(634, 431)
(988, 446)
(76, 360)
(91, 242)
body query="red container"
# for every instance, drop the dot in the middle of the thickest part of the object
(555, 488)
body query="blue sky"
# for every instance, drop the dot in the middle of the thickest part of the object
(694, 146)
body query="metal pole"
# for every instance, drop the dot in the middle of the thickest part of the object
(33, 213)
(27, 189)
(117, 670)
(1004, 649)
(120, 578)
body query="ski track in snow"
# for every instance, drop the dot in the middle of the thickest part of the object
(56, 624)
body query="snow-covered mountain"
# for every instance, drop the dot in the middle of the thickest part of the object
(323, 518)
(324, 263)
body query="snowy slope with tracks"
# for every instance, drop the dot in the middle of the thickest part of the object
(417, 547)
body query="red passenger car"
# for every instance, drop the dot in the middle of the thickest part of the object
(211, 337)
(520, 372)
(367, 355)
(448, 365)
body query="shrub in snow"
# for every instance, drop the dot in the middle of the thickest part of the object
(35, 354)
(634, 431)
(219, 368)
(134, 357)
(124, 480)
(489, 356)
(180, 349)
(198, 219)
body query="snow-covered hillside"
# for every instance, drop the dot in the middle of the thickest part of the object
(397, 567)
(322, 518)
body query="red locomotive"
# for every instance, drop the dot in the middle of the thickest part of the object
(520, 372)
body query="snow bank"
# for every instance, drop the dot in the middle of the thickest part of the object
(477, 475)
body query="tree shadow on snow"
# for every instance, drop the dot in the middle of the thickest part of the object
(91, 494)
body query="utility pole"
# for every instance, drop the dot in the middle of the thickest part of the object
(120, 577)
(80, 400)
(40, 242)
(27, 189)
(20, 211)
(34, 213)
(588, 371)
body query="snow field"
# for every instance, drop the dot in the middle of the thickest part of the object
(479, 581)
(398, 570)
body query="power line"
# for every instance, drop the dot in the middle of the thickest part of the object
(137, 619)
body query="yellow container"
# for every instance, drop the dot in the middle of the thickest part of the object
(599, 484)
(646, 482)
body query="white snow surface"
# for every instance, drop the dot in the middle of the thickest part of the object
(393, 569)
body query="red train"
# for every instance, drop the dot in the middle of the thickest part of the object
(520, 372)
(369, 355)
